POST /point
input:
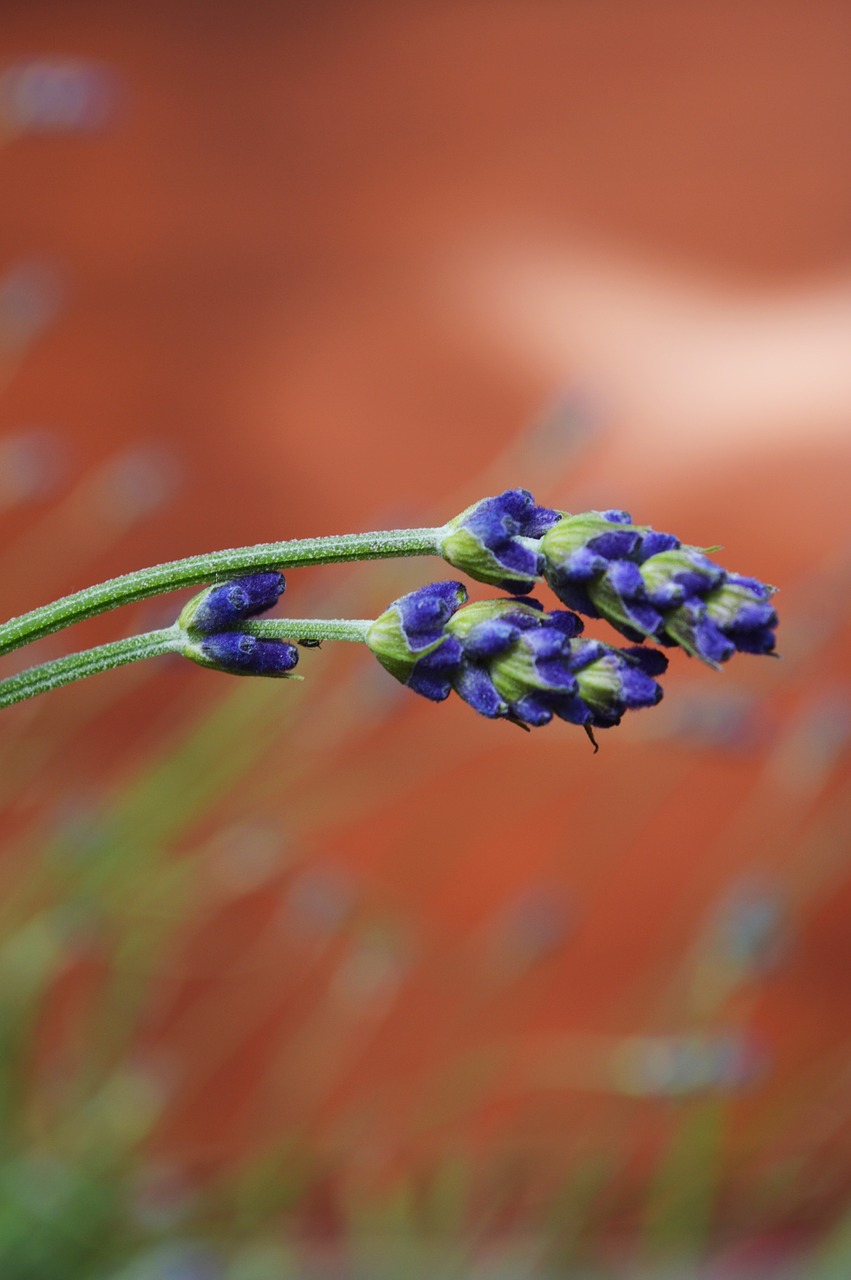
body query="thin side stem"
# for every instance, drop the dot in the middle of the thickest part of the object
(76, 666)
(215, 566)
(313, 629)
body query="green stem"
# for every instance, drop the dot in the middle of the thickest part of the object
(76, 666)
(310, 629)
(216, 566)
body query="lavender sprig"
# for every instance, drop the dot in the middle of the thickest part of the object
(507, 658)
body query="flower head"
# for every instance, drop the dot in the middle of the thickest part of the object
(648, 584)
(497, 540)
(508, 659)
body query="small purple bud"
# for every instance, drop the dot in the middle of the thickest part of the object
(497, 540)
(228, 603)
(241, 654)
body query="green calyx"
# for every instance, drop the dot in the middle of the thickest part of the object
(598, 684)
(515, 674)
(186, 618)
(724, 604)
(610, 604)
(574, 532)
(387, 639)
(659, 571)
(463, 551)
(471, 615)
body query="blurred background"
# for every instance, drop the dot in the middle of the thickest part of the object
(319, 979)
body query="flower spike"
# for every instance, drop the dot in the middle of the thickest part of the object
(649, 585)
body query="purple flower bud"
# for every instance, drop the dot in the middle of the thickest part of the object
(241, 654)
(227, 603)
(497, 540)
(510, 660)
(407, 639)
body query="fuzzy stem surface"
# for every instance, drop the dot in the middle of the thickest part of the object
(213, 567)
(77, 666)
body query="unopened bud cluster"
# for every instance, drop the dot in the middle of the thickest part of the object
(211, 633)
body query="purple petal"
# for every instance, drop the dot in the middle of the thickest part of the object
(518, 559)
(582, 565)
(616, 544)
(584, 652)
(475, 686)
(760, 589)
(626, 579)
(573, 710)
(556, 674)
(430, 685)
(751, 614)
(653, 542)
(710, 643)
(516, 586)
(637, 688)
(425, 611)
(651, 661)
(546, 642)
(489, 638)
(573, 594)
(759, 640)
(533, 710)
(242, 654)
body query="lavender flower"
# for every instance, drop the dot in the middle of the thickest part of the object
(648, 584)
(497, 540)
(508, 659)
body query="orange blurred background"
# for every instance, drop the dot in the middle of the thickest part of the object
(274, 271)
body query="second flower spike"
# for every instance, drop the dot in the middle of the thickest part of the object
(509, 660)
(648, 585)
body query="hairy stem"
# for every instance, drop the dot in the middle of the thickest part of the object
(216, 566)
(76, 666)
(311, 629)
